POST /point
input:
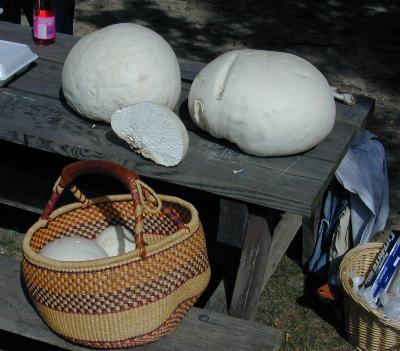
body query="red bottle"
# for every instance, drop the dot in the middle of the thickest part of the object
(44, 22)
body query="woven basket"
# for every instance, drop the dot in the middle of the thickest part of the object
(367, 329)
(125, 300)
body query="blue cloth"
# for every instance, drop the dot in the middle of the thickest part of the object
(332, 208)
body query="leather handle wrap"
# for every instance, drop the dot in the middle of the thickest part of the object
(75, 169)
(127, 178)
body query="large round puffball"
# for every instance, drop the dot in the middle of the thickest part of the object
(73, 249)
(268, 103)
(116, 240)
(117, 66)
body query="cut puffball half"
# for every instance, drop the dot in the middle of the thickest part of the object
(153, 131)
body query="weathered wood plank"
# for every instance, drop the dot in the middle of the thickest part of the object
(232, 222)
(358, 114)
(189, 69)
(310, 233)
(252, 268)
(295, 183)
(283, 235)
(26, 187)
(340, 135)
(330, 149)
(284, 183)
(261, 255)
(43, 77)
(218, 301)
(48, 73)
(199, 330)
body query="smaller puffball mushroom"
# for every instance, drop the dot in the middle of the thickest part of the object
(116, 240)
(153, 131)
(73, 249)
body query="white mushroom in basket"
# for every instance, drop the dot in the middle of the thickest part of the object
(116, 240)
(73, 249)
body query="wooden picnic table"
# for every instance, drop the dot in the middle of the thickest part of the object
(34, 114)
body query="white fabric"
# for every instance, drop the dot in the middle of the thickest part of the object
(363, 173)
(341, 239)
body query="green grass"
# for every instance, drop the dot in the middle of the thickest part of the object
(11, 243)
(289, 302)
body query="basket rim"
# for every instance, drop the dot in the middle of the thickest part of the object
(346, 269)
(151, 249)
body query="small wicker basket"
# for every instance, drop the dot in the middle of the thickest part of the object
(367, 329)
(126, 300)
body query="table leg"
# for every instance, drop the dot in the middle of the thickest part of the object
(310, 232)
(252, 267)
(283, 235)
(261, 254)
(232, 222)
(248, 227)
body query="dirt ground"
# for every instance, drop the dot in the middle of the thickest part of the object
(356, 45)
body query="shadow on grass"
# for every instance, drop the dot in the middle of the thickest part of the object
(331, 311)
(339, 39)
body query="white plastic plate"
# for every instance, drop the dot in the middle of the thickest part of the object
(14, 59)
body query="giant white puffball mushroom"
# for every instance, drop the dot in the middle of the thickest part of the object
(116, 240)
(73, 249)
(153, 131)
(117, 66)
(267, 103)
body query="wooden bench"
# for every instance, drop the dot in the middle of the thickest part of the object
(199, 330)
(262, 201)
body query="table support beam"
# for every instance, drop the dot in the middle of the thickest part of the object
(310, 232)
(283, 235)
(260, 257)
(232, 222)
(252, 267)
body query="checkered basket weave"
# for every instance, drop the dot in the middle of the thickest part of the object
(367, 329)
(126, 300)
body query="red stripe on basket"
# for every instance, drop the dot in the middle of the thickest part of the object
(173, 215)
(50, 205)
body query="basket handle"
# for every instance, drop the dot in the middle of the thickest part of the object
(139, 191)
